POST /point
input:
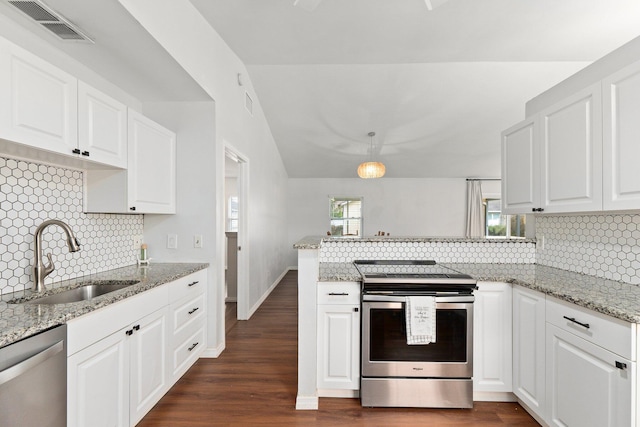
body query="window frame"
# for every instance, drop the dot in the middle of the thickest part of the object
(508, 217)
(332, 199)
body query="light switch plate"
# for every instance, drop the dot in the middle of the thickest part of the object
(172, 241)
(197, 241)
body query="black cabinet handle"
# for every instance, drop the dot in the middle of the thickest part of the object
(132, 208)
(85, 153)
(356, 309)
(76, 151)
(572, 319)
(129, 332)
(193, 283)
(136, 328)
(193, 346)
(621, 365)
(537, 210)
(338, 293)
(194, 310)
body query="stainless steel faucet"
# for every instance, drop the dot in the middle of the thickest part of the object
(40, 271)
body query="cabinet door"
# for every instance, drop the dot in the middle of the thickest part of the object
(492, 338)
(338, 347)
(148, 358)
(529, 348)
(152, 166)
(621, 133)
(39, 105)
(102, 127)
(584, 386)
(521, 168)
(571, 136)
(98, 384)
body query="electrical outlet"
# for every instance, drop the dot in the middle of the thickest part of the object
(137, 241)
(172, 241)
(197, 241)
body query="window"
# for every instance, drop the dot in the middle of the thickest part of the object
(232, 214)
(346, 216)
(498, 225)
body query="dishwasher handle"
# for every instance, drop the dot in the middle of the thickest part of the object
(22, 367)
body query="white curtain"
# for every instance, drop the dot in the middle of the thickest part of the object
(475, 211)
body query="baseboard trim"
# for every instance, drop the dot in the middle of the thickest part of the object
(494, 396)
(257, 305)
(307, 403)
(212, 353)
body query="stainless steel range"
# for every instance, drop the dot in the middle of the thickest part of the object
(417, 335)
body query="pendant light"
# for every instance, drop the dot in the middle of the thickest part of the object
(371, 169)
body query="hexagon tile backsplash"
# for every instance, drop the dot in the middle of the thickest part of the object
(604, 245)
(31, 193)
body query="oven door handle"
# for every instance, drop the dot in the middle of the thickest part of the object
(393, 298)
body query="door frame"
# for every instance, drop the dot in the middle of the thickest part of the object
(243, 231)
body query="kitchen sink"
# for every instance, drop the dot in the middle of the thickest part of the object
(83, 293)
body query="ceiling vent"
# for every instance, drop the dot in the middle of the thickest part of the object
(51, 20)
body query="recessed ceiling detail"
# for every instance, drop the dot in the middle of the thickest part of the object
(51, 20)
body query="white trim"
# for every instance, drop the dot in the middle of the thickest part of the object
(353, 394)
(243, 278)
(257, 305)
(210, 353)
(494, 396)
(307, 403)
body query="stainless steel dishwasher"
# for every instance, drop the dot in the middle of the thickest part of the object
(33, 380)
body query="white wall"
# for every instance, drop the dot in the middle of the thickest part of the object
(186, 35)
(194, 124)
(401, 207)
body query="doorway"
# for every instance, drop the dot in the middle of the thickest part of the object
(236, 272)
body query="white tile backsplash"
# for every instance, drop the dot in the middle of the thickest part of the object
(442, 251)
(603, 245)
(31, 193)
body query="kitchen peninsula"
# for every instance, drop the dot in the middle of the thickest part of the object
(612, 309)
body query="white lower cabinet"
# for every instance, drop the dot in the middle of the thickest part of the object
(122, 357)
(529, 348)
(98, 383)
(117, 380)
(188, 316)
(338, 339)
(586, 384)
(492, 341)
(148, 379)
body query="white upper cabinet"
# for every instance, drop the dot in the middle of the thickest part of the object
(621, 139)
(571, 149)
(149, 183)
(102, 127)
(520, 168)
(38, 102)
(152, 166)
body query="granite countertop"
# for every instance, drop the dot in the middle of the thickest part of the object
(315, 242)
(19, 321)
(616, 299)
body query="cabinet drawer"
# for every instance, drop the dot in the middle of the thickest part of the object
(612, 334)
(187, 312)
(193, 284)
(338, 293)
(187, 351)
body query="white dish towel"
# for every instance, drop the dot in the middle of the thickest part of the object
(420, 320)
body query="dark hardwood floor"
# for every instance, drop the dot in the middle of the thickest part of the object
(254, 383)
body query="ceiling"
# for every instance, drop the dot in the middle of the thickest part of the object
(437, 86)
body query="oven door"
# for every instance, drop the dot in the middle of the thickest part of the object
(385, 352)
